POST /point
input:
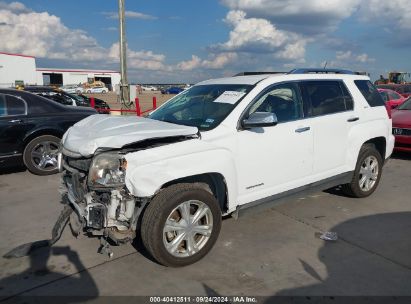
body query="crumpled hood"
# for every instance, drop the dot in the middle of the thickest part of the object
(106, 131)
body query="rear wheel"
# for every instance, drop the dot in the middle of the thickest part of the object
(367, 173)
(181, 224)
(40, 155)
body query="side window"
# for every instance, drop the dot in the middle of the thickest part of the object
(384, 96)
(393, 95)
(369, 92)
(3, 110)
(283, 100)
(349, 102)
(327, 97)
(14, 106)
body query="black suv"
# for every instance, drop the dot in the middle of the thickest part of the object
(31, 128)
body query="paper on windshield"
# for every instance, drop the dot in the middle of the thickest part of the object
(230, 97)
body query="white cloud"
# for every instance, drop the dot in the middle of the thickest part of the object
(311, 16)
(15, 7)
(395, 12)
(188, 65)
(256, 35)
(146, 60)
(216, 61)
(44, 35)
(364, 58)
(130, 14)
(219, 61)
(349, 56)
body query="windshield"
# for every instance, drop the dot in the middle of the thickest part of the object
(406, 105)
(203, 106)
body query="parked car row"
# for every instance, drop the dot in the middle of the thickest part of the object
(172, 90)
(65, 98)
(77, 89)
(403, 89)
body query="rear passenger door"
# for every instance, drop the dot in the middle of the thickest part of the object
(331, 113)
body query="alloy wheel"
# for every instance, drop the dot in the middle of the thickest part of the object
(187, 228)
(368, 175)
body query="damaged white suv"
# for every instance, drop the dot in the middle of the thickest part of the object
(218, 148)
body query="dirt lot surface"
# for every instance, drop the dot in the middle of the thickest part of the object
(275, 252)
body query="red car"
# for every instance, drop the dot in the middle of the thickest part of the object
(403, 89)
(392, 98)
(401, 126)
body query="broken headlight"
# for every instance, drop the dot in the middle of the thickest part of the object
(107, 170)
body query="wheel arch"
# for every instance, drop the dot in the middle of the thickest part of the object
(41, 132)
(215, 182)
(380, 144)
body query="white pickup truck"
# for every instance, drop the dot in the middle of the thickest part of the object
(218, 148)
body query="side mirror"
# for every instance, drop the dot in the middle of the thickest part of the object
(260, 119)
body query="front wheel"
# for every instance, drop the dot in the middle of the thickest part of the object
(367, 173)
(181, 224)
(40, 155)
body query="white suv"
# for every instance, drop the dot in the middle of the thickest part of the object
(218, 148)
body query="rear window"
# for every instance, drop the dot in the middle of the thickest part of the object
(370, 93)
(11, 106)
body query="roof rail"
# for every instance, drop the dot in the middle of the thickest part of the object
(257, 73)
(320, 71)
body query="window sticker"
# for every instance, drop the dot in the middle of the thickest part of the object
(230, 97)
(209, 120)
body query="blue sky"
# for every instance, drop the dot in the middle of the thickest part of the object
(188, 41)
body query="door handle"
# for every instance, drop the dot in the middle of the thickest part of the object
(301, 130)
(16, 120)
(352, 119)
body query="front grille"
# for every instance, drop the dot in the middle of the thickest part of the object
(80, 164)
(401, 131)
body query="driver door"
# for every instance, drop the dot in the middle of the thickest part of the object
(275, 159)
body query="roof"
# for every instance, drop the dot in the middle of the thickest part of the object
(19, 55)
(254, 79)
(76, 70)
(251, 80)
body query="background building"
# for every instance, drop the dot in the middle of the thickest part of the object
(17, 69)
(21, 69)
(77, 76)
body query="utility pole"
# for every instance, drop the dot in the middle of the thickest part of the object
(124, 88)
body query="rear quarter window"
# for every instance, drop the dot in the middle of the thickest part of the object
(370, 93)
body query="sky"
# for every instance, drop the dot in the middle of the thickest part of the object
(188, 41)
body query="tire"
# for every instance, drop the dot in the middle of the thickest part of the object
(169, 204)
(353, 189)
(44, 148)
